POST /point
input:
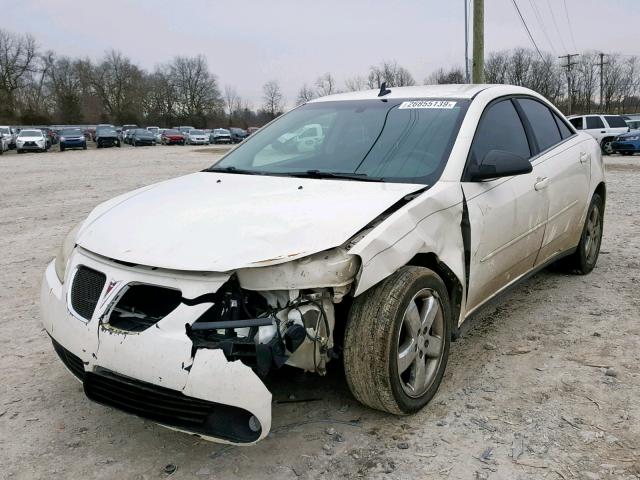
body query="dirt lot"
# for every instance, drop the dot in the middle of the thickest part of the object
(544, 385)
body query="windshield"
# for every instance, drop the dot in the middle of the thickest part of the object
(30, 133)
(221, 131)
(70, 132)
(4, 130)
(196, 132)
(171, 132)
(106, 131)
(401, 141)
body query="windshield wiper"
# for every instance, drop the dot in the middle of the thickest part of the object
(363, 177)
(232, 170)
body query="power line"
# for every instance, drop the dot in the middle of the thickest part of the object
(527, 29)
(566, 13)
(555, 24)
(541, 23)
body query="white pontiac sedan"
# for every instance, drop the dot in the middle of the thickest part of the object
(415, 207)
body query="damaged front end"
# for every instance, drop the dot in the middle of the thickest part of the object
(188, 350)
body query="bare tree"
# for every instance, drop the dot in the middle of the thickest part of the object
(454, 75)
(18, 56)
(325, 85)
(273, 99)
(390, 72)
(197, 93)
(305, 94)
(65, 88)
(355, 84)
(231, 100)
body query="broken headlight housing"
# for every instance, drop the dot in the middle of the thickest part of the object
(65, 251)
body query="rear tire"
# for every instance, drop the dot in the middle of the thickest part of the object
(397, 341)
(606, 146)
(584, 259)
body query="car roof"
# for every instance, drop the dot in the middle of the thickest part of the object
(462, 91)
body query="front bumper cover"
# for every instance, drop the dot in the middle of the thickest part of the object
(156, 373)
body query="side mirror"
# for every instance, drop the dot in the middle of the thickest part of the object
(498, 163)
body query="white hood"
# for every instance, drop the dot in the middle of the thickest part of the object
(220, 222)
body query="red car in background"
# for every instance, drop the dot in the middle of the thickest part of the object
(172, 137)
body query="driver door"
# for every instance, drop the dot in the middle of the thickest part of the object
(507, 216)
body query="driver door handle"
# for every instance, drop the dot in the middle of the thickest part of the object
(541, 183)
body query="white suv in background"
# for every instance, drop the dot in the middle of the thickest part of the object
(604, 128)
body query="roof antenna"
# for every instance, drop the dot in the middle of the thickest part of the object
(384, 90)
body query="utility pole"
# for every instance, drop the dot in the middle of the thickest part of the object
(602, 64)
(478, 41)
(568, 66)
(466, 43)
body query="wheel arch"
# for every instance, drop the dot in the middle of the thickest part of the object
(601, 189)
(451, 281)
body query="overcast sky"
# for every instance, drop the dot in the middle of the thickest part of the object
(248, 42)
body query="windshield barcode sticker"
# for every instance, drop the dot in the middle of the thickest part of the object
(427, 104)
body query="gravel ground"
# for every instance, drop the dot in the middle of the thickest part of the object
(543, 384)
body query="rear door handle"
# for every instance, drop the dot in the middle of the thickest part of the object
(584, 157)
(541, 183)
(603, 131)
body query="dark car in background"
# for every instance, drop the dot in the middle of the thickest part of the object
(627, 143)
(141, 136)
(238, 134)
(107, 136)
(220, 135)
(72, 138)
(172, 137)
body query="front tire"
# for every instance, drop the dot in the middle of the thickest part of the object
(397, 341)
(585, 257)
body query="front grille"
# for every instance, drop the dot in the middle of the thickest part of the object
(85, 291)
(73, 363)
(170, 407)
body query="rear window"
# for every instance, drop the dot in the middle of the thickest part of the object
(615, 121)
(171, 132)
(576, 122)
(594, 122)
(542, 122)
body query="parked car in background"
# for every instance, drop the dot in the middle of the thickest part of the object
(4, 144)
(197, 137)
(126, 131)
(448, 195)
(107, 136)
(156, 131)
(184, 130)
(238, 134)
(31, 139)
(9, 138)
(627, 143)
(72, 138)
(172, 137)
(633, 124)
(252, 130)
(604, 128)
(220, 135)
(141, 136)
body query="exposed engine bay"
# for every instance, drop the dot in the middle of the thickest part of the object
(266, 330)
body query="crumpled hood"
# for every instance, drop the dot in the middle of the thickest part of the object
(219, 222)
(632, 133)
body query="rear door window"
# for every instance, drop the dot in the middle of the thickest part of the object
(500, 128)
(542, 123)
(594, 122)
(615, 121)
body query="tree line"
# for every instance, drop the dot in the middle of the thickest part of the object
(41, 87)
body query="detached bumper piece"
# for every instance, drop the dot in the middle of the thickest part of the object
(171, 408)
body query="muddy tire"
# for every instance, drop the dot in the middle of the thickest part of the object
(584, 259)
(397, 341)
